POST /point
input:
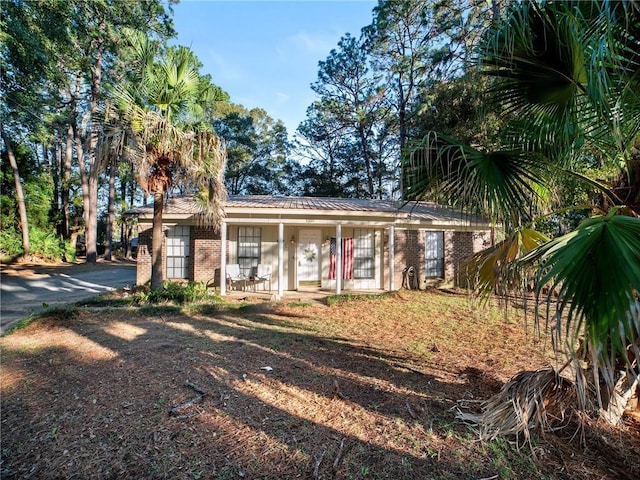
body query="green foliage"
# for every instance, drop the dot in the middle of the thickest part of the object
(352, 297)
(38, 192)
(10, 242)
(46, 245)
(564, 75)
(595, 288)
(508, 460)
(61, 313)
(257, 149)
(69, 252)
(502, 182)
(173, 292)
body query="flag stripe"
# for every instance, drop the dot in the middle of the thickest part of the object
(332, 259)
(347, 258)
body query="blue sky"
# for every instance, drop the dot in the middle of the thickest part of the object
(265, 53)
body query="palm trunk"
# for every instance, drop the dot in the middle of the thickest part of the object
(22, 209)
(624, 390)
(156, 241)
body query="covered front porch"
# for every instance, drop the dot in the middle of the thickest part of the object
(327, 257)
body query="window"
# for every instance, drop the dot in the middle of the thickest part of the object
(178, 252)
(363, 253)
(434, 254)
(248, 248)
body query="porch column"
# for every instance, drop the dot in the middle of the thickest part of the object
(392, 258)
(280, 260)
(338, 259)
(223, 259)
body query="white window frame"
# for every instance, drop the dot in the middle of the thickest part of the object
(177, 252)
(434, 254)
(364, 253)
(248, 248)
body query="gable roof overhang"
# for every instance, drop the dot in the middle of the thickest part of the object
(318, 211)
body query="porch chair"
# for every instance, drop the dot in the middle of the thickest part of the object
(235, 278)
(262, 275)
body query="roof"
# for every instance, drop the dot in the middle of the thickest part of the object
(330, 210)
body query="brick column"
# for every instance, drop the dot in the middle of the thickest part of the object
(143, 262)
(205, 254)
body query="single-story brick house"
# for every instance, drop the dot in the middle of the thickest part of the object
(332, 244)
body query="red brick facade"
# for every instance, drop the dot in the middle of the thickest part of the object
(143, 270)
(205, 255)
(205, 250)
(459, 246)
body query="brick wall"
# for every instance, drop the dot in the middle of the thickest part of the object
(459, 246)
(205, 253)
(143, 270)
(409, 252)
(205, 249)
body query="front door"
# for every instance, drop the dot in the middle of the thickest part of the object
(309, 257)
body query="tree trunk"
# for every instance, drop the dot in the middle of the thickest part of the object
(65, 180)
(156, 241)
(96, 166)
(22, 209)
(56, 162)
(367, 160)
(111, 210)
(84, 183)
(91, 228)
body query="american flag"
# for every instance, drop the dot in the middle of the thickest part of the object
(347, 258)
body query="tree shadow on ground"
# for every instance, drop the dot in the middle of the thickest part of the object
(99, 403)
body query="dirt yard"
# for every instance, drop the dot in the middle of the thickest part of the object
(366, 389)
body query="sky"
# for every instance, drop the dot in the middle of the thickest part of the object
(265, 53)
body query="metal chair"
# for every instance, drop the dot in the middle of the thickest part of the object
(262, 275)
(235, 278)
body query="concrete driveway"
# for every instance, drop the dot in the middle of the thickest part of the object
(22, 295)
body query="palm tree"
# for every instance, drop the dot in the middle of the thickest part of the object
(568, 76)
(159, 126)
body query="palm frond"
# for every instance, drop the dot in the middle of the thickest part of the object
(595, 271)
(498, 183)
(207, 171)
(537, 53)
(530, 401)
(570, 71)
(495, 269)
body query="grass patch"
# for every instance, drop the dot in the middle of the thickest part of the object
(61, 313)
(351, 297)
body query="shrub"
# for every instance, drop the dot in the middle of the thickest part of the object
(173, 292)
(10, 242)
(69, 251)
(45, 245)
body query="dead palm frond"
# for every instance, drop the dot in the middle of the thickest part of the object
(539, 400)
(495, 269)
